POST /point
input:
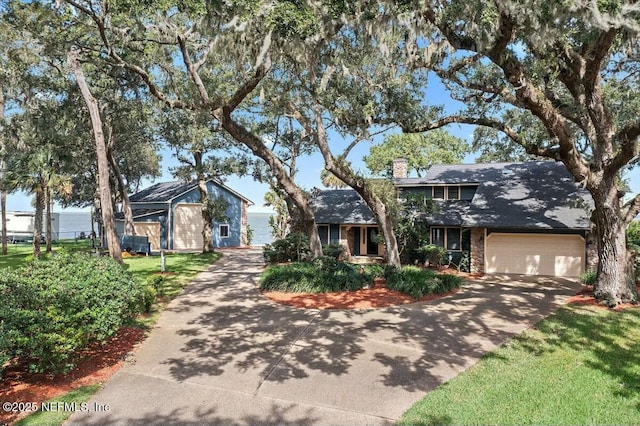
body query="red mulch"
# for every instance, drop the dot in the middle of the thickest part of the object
(379, 296)
(99, 363)
(585, 297)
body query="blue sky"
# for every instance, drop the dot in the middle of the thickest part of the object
(309, 167)
(308, 175)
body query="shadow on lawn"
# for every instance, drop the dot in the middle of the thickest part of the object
(605, 334)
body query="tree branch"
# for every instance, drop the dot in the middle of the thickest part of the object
(631, 209)
(193, 72)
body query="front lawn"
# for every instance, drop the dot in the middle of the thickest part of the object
(581, 365)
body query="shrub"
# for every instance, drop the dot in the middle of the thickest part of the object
(433, 254)
(418, 282)
(588, 278)
(334, 250)
(324, 274)
(51, 308)
(293, 248)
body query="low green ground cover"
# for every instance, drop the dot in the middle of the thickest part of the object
(581, 365)
(420, 282)
(326, 274)
(322, 275)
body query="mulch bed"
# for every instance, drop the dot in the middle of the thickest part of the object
(378, 296)
(99, 363)
(585, 297)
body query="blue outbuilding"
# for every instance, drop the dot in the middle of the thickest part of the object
(169, 214)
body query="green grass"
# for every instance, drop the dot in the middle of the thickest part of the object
(181, 269)
(18, 254)
(53, 417)
(579, 366)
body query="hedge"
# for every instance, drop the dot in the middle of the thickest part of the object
(52, 308)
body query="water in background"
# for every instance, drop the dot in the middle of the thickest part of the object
(73, 224)
(259, 222)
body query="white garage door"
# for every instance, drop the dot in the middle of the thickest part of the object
(535, 254)
(187, 227)
(150, 230)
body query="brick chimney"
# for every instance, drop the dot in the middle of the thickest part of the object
(400, 168)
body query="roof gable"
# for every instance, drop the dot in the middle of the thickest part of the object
(164, 192)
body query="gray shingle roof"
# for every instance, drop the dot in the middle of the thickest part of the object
(341, 206)
(533, 195)
(166, 191)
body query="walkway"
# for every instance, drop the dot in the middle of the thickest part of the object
(223, 354)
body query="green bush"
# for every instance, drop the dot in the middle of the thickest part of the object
(51, 308)
(588, 278)
(293, 248)
(418, 282)
(324, 274)
(433, 254)
(334, 250)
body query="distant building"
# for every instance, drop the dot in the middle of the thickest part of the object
(169, 214)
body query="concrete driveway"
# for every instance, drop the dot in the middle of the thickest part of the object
(223, 354)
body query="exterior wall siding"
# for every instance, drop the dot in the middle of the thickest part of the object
(162, 218)
(233, 212)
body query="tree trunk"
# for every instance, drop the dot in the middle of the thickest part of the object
(103, 163)
(295, 194)
(48, 202)
(129, 227)
(3, 207)
(37, 222)
(615, 280)
(363, 188)
(207, 220)
(3, 171)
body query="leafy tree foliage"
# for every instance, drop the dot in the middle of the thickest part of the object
(543, 75)
(420, 150)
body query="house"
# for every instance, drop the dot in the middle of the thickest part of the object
(169, 213)
(518, 218)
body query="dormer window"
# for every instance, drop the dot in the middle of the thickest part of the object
(446, 192)
(453, 193)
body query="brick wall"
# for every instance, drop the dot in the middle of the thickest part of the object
(477, 251)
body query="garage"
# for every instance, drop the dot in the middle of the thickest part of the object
(187, 228)
(535, 254)
(150, 230)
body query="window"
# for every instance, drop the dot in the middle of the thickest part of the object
(449, 238)
(224, 231)
(438, 192)
(453, 239)
(453, 193)
(323, 233)
(446, 192)
(437, 236)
